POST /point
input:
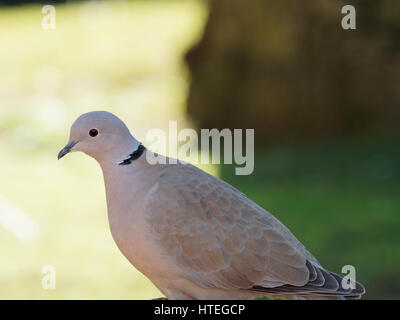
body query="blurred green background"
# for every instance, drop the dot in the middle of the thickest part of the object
(324, 103)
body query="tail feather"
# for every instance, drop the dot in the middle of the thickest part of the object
(322, 284)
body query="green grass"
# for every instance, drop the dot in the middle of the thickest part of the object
(340, 200)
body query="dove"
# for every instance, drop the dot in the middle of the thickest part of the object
(193, 235)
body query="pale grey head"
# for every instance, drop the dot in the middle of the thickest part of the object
(101, 135)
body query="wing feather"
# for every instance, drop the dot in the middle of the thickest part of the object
(220, 238)
(213, 231)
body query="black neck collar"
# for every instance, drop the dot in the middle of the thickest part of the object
(133, 156)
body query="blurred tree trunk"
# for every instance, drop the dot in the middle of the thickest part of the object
(289, 70)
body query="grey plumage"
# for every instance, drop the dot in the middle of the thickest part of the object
(193, 235)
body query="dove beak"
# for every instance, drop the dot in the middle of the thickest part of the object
(66, 149)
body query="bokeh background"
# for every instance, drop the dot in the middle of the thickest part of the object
(324, 103)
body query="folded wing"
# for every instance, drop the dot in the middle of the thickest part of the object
(222, 239)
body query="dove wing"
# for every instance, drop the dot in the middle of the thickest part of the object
(219, 237)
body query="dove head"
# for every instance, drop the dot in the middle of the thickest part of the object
(101, 135)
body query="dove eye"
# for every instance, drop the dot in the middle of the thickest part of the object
(93, 132)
